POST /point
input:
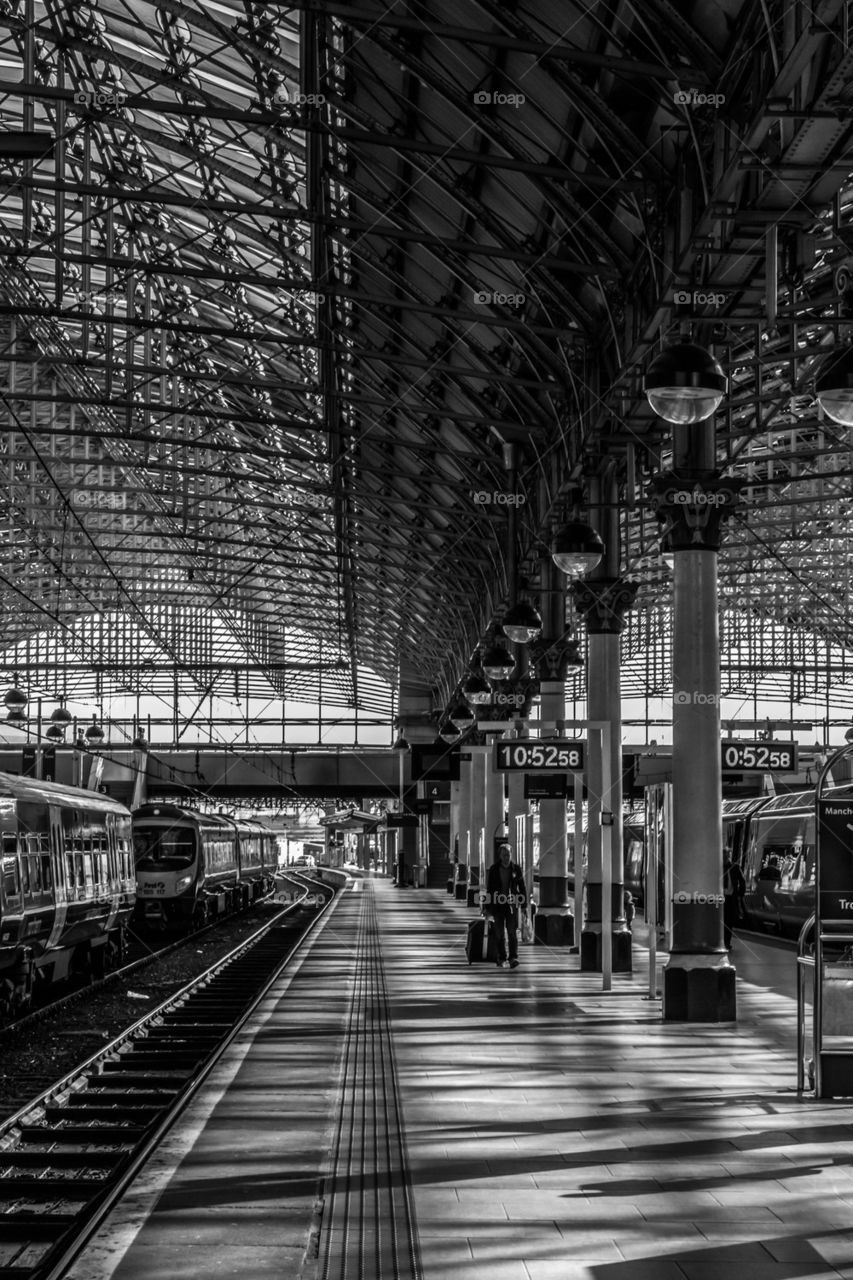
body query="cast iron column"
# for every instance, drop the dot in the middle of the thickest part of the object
(554, 924)
(460, 884)
(693, 500)
(478, 817)
(603, 604)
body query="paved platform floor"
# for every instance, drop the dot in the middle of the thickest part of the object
(557, 1132)
(553, 1131)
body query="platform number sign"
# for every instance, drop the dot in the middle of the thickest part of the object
(540, 755)
(758, 757)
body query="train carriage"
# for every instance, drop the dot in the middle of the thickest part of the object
(66, 885)
(192, 866)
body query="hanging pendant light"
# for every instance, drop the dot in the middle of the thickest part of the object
(684, 384)
(576, 548)
(498, 662)
(461, 716)
(476, 689)
(94, 734)
(16, 703)
(522, 623)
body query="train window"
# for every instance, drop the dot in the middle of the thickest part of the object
(25, 874)
(161, 848)
(45, 871)
(11, 879)
(125, 858)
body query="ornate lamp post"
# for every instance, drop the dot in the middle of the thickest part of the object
(685, 385)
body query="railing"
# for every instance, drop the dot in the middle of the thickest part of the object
(805, 962)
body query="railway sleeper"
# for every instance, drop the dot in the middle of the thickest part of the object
(21, 1233)
(70, 1133)
(186, 1061)
(61, 1158)
(46, 1185)
(136, 1097)
(123, 1072)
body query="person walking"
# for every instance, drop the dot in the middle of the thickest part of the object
(734, 888)
(506, 896)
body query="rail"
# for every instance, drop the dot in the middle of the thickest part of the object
(68, 1156)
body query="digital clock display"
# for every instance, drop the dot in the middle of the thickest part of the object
(759, 757)
(540, 755)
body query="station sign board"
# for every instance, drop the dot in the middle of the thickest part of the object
(434, 762)
(540, 755)
(401, 820)
(741, 756)
(835, 860)
(546, 786)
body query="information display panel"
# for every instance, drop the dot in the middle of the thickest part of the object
(741, 756)
(835, 860)
(540, 755)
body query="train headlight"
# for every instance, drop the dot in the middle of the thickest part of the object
(183, 883)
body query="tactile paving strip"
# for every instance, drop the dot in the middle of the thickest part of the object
(369, 1229)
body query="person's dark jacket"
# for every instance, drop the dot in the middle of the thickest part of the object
(515, 898)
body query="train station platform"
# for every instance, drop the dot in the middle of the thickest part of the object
(392, 1112)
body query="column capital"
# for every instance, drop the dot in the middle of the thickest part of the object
(552, 659)
(693, 505)
(604, 603)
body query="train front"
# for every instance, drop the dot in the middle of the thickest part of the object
(166, 853)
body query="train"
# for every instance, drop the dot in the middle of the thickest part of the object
(192, 867)
(772, 840)
(76, 868)
(67, 886)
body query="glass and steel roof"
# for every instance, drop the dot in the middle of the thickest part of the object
(279, 284)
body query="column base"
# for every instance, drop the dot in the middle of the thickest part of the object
(461, 891)
(699, 989)
(472, 896)
(621, 957)
(553, 930)
(451, 885)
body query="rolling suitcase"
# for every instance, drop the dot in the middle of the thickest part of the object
(480, 943)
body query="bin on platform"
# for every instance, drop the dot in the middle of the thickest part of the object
(837, 1002)
(421, 873)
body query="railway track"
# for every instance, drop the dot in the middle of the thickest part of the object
(69, 1155)
(151, 955)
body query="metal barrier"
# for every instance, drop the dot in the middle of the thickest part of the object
(804, 963)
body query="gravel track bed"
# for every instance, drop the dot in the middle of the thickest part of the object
(32, 1059)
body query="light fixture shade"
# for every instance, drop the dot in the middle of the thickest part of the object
(94, 734)
(400, 745)
(834, 386)
(498, 662)
(16, 717)
(476, 690)
(61, 716)
(15, 700)
(56, 733)
(461, 716)
(576, 548)
(448, 732)
(139, 743)
(684, 384)
(522, 623)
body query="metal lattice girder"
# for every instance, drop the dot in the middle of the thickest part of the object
(289, 279)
